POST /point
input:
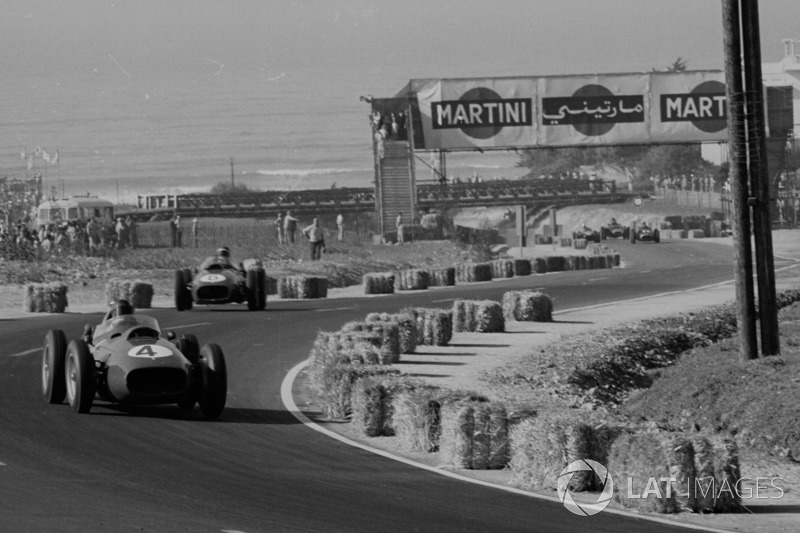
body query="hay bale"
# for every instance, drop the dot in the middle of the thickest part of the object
(602, 261)
(593, 262)
(528, 306)
(271, 285)
(378, 283)
(680, 454)
(458, 426)
(384, 335)
(498, 436)
(45, 298)
(717, 475)
(434, 326)
(407, 327)
(367, 403)
(696, 234)
(522, 267)
(579, 244)
(565, 242)
(416, 418)
(539, 265)
(541, 447)
(473, 272)
(303, 287)
(412, 280)
(502, 268)
(640, 459)
(442, 277)
(554, 263)
(483, 316)
(138, 293)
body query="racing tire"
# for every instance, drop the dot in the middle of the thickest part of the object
(656, 236)
(54, 351)
(189, 347)
(214, 390)
(626, 233)
(183, 297)
(81, 378)
(256, 289)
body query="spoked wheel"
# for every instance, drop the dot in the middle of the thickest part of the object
(215, 381)
(256, 289)
(80, 376)
(183, 295)
(54, 352)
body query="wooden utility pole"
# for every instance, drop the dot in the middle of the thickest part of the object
(737, 142)
(233, 185)
(759, 178)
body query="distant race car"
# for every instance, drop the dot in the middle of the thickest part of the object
(587, 233)
(217, 281)
(125, 360)
(614, 230)
(645, 233)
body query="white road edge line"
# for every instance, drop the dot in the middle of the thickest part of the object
(288, 402)
(444, 300)
(334, 309)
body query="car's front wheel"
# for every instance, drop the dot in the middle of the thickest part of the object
(80, 376)
(215, 381)
(53, 356)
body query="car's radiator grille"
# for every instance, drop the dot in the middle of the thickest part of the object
(156, 381)
(212, 292)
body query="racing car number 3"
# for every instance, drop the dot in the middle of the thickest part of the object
(212, 278)
(149, 351)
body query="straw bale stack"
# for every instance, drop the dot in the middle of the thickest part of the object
(138, 293)
(386, 333)
(555, 263)
(416, 418)
(539, 265)
(406, 324)
(569, 262)
(522, 267)
(303, 287)
(696, 234)
(483, 316)
(442, 277)
(565, 242)
(434, 326)
(528, 306)
(412, 280)
(502, 268)
(473, 272)
(541, 447)
(601, 261)
(371, 401)
(579, 244)
(379, 283)
(474, 434)
(45, 298)
(716, 464)
(613, 260)
(334, 386)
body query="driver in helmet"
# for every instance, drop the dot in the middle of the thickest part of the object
(118, 309)
(224, 255)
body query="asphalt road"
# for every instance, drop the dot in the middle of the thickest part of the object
(257, 469)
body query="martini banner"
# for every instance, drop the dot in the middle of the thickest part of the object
(602, 109)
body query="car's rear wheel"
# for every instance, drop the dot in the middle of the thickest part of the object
(256, 289)
(183, 296)
(215, 381)
(633, 235)
(190, 349)
(54, 352)
(656, 236)
(80, 376)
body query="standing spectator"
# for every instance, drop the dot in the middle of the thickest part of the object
(133, 231)
(93, 230)
(316, 237)
(122, 233)
(340, 227)
(195, 236)
(400, 228)
(290, 227)
(279, 229)
(176, 231)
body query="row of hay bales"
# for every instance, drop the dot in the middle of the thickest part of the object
(52, 297)
(352, 379)
(421, 279)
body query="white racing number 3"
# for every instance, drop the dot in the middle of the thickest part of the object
(149, 351)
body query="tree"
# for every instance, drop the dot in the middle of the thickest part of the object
(225, 187)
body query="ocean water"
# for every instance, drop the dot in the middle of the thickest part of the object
(120, 136)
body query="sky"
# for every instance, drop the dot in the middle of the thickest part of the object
(430, 38)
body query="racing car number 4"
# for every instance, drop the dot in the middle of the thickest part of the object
(149, 351)
(212, 278)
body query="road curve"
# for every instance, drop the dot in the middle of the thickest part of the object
(257, 469)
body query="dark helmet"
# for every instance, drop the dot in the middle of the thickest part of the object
(120, 308)
(224, 252)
